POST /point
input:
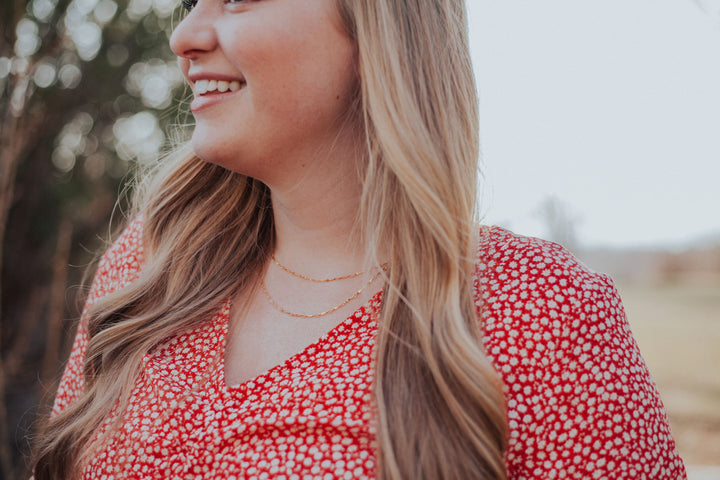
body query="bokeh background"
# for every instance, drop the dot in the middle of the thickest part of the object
(600, 127)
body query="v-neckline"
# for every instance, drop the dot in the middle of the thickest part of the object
(351, 322)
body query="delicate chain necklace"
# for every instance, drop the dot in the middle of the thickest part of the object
(321, 314)
(310, 279)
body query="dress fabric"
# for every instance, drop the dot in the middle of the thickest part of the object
(581, 402)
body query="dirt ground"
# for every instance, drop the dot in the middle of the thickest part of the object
(677, 326)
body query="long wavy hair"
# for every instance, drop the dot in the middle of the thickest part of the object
(208, 233)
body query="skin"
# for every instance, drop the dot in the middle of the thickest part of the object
(290, 126)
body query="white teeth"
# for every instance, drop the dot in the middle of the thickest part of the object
(201, 86)
(222, 86)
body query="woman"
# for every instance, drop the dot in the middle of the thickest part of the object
(303, 293)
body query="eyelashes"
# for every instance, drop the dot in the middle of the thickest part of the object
(188, 4)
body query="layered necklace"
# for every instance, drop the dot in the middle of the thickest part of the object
(319, 280)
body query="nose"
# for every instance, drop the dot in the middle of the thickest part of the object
(196, 32)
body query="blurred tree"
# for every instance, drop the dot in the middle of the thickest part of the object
(559, 221)
(87, 90)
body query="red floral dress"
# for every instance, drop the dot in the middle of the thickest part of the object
(581, 403)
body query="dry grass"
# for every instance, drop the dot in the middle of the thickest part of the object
(677, 326)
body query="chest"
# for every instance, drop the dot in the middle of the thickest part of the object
(262, 334)
(309, 415)
(259, 339)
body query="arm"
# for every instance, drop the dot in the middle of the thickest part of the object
(602, 416)
(118, 267)
(581, 402)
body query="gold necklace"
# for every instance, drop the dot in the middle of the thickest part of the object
(321, 314)
(310, 279)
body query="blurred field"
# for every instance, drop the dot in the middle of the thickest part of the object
(677, 326)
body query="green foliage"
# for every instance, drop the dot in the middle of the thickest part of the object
(88, 88)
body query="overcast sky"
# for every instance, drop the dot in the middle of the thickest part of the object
(612, 106)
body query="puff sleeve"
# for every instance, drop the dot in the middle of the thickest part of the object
(581, 401)
(118, 267)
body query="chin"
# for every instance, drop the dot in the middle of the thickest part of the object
(209, 149)
(225, 153)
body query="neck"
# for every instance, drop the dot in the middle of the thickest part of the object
(315, 221)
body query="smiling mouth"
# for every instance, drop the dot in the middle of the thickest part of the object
(209, 87)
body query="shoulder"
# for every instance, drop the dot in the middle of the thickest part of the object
(503, 255)
(522, 281)
(578, 391)
(121, 262)
(538, 304)
(541, 308)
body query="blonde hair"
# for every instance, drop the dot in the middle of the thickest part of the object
(209, 232)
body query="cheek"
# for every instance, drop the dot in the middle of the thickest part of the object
(313, 84)
(295, 70)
